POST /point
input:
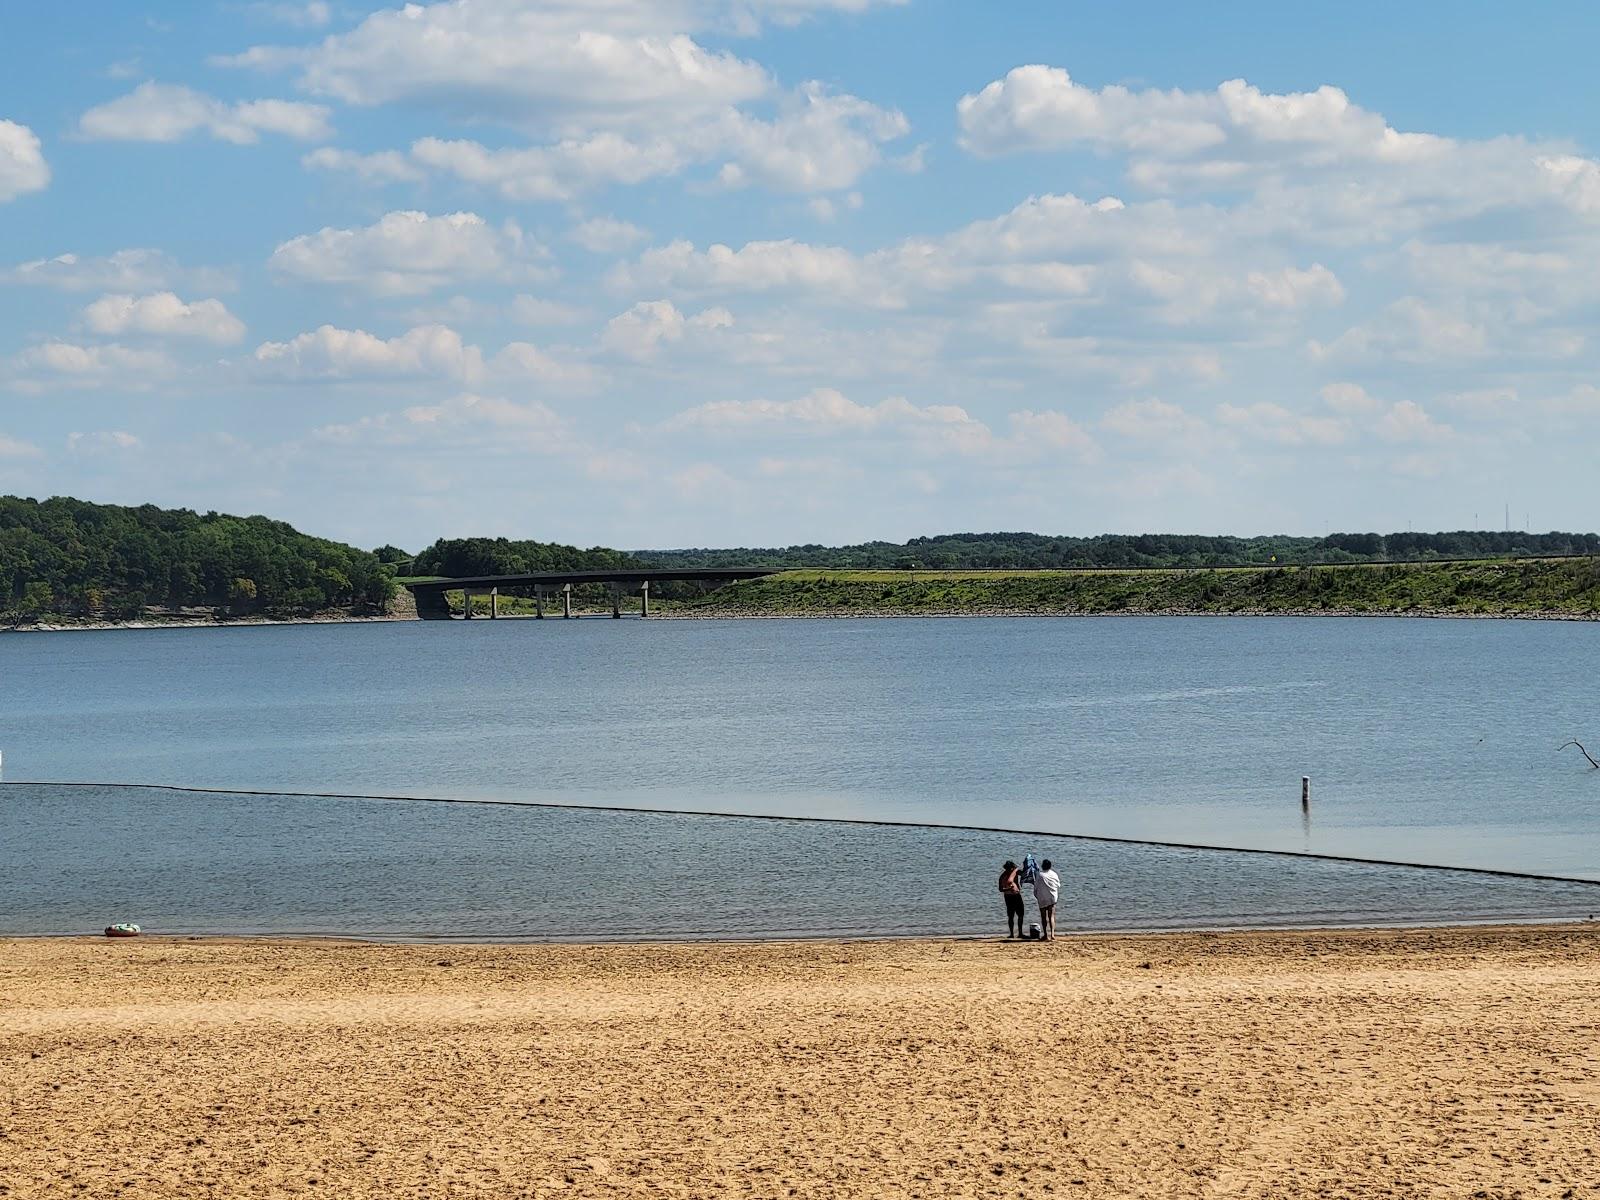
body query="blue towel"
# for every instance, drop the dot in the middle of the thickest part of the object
(1030, 868)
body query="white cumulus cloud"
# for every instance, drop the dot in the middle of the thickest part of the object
(1268, 422)
(484, 424)
(103, 441)
(555, 172)
(1411, 330)
(1152, 420)
(827, 410)
(757, 266)
(644, 328)
(385, 166)
(164, 112)
(611, 93)
(163, 313)
(408, 253)
(72, 364)
(1053, 431)
(1292, 287)
(1350, 399)
(1408, 421)
(22, 165)
(137, 270)
(1040, 107)
(309, 14)
(816, 142)
(607, 235)
(519, 361)
(1313, 164)
(331, 353)
(16, 448)
(549, 66)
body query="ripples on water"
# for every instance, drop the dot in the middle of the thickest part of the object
(73, 860)
(1427, 741)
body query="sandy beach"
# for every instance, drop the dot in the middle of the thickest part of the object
(1459, 1062)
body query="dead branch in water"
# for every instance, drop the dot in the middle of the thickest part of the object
(1586, 754)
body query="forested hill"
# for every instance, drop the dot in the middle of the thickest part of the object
(967, 551)
(461, 558)
(70, 557)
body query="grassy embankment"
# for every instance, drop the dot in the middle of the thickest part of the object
(1529, 587)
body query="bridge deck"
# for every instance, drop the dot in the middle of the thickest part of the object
(623, 575)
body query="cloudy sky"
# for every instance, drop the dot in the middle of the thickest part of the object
(712, 272)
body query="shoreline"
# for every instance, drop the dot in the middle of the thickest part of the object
(1535, 926)
(203, 623)
(1356, 928)
(1436, 1061)
(734, 614)
(880, 614)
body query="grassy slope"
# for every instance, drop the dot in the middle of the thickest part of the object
(1564, 587)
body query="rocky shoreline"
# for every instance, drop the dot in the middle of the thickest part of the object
(403, 608)
(741, 614)
(737, 614)
(200, 623)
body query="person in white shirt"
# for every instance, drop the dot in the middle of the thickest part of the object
(1046, 891)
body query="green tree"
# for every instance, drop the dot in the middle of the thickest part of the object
(36, 600)
(94, 556)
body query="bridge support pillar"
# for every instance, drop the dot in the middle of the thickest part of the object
(437, 599)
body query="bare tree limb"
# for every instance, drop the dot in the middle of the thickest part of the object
(1586, 754)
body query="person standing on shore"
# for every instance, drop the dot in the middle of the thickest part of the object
(1011, 890)
(1046, 891)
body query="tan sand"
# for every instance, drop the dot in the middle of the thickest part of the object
(1409, 1063)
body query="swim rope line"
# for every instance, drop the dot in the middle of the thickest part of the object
(870, 822)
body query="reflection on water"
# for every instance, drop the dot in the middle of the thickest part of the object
(73, 860)
(1426, 740)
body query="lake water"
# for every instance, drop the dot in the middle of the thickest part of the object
(1427, 741)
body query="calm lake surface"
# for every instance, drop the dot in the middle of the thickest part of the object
(1427, 741)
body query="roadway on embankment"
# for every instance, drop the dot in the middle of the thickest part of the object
(1567, 588)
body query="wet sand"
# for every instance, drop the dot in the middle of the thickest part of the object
(1454, 1062)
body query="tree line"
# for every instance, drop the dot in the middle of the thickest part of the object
(998, 551)
(70, 557)
(463, 558)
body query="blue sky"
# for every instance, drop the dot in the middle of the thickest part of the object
(697, 272)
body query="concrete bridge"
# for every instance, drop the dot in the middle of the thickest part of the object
(432, 605)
